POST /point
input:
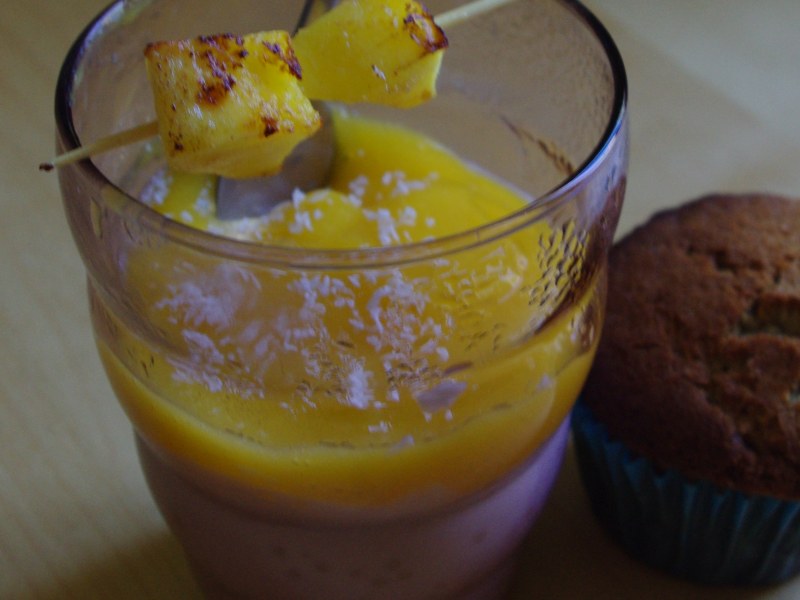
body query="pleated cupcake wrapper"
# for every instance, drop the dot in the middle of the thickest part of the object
(692, 530)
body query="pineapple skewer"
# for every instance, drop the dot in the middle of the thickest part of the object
(151, 129)
(229, 105)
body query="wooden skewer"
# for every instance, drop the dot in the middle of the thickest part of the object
(142, 132)
(115, 140)
(463, 13)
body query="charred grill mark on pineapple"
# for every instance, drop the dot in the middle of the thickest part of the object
(287, 57)
(222, 41)
(271, 125)
(219, 60)
(214, 91)
(423, 30)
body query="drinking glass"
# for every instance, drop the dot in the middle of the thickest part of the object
(367, 423)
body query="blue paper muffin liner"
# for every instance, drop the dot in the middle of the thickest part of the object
(689, 529)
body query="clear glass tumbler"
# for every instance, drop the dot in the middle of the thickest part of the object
(366, 423)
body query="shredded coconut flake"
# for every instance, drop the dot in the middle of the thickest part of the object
(441, 397)
(378, 72)
(301, 222)
(204, 205)
(407, 216)
(156, 189)
(359, 393)
(387, 226)
(382, 427)
(545, 383)
(358, 186)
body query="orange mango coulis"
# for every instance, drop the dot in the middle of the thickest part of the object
(358, 387)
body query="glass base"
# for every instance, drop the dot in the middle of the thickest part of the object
(463, 551)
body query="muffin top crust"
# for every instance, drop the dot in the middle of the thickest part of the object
(699, 364)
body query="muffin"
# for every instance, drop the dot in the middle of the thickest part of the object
(688, 431)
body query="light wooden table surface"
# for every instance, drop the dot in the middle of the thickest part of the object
(714, 90)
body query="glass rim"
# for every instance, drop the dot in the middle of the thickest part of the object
(321, 258)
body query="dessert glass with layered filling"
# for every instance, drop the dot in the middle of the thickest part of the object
(363, 392)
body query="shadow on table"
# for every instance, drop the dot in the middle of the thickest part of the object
(153, 569)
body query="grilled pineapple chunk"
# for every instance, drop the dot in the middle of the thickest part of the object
(229, 105)
(386, 52)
